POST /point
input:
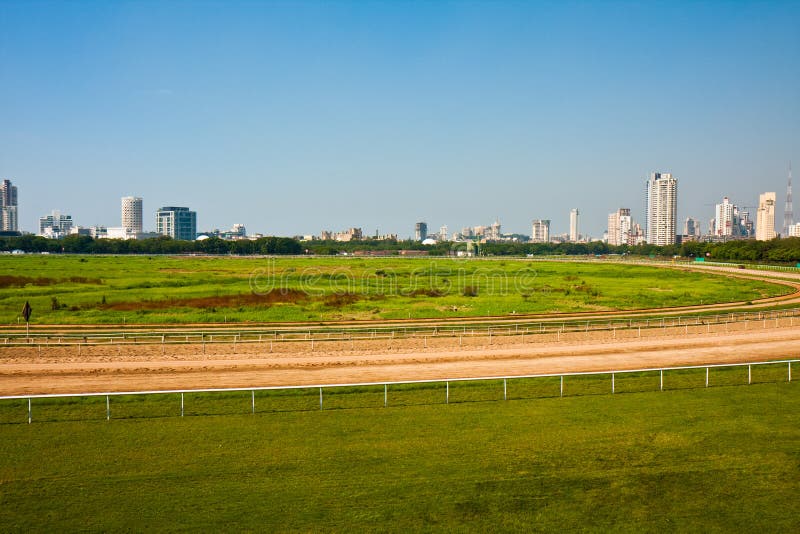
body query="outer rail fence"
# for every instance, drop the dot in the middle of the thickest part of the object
(266, 338)
(447, 391)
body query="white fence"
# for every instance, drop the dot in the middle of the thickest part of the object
(462, 331)
(611, 386)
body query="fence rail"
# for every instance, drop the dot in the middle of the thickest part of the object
(385, 385)
(319, 335)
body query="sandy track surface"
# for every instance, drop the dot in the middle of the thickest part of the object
(31, 374)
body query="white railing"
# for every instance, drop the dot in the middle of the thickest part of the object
(447, 381)
(312, 335)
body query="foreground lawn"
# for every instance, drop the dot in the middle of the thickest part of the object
(136, 289)
(723, 458)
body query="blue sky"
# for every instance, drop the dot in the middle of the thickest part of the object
(293, 117)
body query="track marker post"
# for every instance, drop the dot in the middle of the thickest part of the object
(661, 380)
(108, 408)
(29, 410)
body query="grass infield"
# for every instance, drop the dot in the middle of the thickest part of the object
(722, 458)
(136, 289)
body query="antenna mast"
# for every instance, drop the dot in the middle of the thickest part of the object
(788, 213)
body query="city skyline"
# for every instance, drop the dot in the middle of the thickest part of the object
(337, 115)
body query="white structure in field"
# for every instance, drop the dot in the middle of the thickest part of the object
(540, 231)
(662, 208)
(619, 227)
(132, 214)
(765, 217)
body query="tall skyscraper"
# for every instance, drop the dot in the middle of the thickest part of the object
(176, 222)
(662, 208)
(691, 227)
(132, 214)
(765, 217)
(421, 231)
(619, 227)
(540, 231)
(788, 212)
(724, 218)
(9, 219)
(573, 224)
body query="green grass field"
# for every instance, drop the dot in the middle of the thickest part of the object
(723, 458)
(126, 289)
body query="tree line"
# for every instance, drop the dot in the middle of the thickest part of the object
(785, 250)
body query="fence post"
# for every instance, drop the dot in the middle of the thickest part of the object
(253, 399)
(749, 374)
(447, 393)
(790, 371)
(385, 395)
(612, 383)
(108, 408)
(505, 389)
(320, 398)
(661, 381)
(706, 376)
(561, 391)
(181, 404)
(29, 410)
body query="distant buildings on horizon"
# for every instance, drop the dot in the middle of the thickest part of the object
(661, 198)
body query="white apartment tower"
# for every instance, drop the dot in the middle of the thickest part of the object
(620, 226)
(132, 214)
(662, 208)
(724, 218)
(540, 231)
(573, 225)
(765, 217)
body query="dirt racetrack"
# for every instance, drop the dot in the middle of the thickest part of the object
(60, 370)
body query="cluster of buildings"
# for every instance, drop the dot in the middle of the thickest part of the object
(660, 226)
(173, 221)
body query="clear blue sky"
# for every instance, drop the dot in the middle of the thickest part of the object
(292, 117)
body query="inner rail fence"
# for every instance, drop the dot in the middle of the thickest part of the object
(265, 339)
(233, 401)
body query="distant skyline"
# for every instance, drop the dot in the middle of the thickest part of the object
(295, 117)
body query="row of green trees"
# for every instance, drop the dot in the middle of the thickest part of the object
(75, 244)
(785, 250)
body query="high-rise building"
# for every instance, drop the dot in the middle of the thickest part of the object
(421, 231)
(55, 225)
(662, 208)
(691, 227)
(540, 231)
(176, 222)
(443, 233)
(9, 219)
(765, 217)
(724, 218)
(619, 227)
(132, 214)
(573, 224)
